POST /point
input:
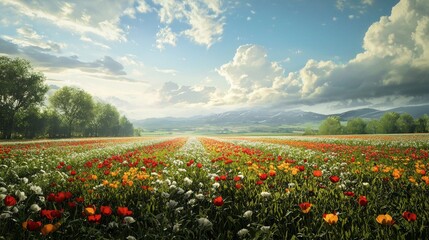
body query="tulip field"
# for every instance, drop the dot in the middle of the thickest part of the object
(271, 187)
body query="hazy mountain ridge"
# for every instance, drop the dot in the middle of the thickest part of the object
(266, 117)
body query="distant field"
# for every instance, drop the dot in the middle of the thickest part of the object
(216, 187)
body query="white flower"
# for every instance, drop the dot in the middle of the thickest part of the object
(365, 184)
(36, 189)
(2, 196)
(24, 180)
(3, 190)
(180, 190)
(216, 185)
(248, 214)
(265, 229)
(291, 185)
(188, 194)
(165, 195)
(14, 210)
(200, 184)
(192, 201)
(35, 208)
(129, 220)
(179, 209)
(199, 196)
(172, 204)
(41, 198)
(155, 174)
(176, 227)
(21, 195)
(243, 232)
(204, 223)
(5, 215)
(131, 238)
(113, 225)
(173, 187)
(265, 194)
(187, 181)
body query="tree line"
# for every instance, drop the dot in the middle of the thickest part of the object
(390, 122)
(69, 112)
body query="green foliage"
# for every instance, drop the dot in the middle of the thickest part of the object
(388, 122)
(356, 126)
(331, 126)
(405, 123)
(21, 88)
(74, 105)
(372, 126)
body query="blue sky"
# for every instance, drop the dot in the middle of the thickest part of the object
(155, 58)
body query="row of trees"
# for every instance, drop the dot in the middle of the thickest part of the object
(69, 112)
(390, 122)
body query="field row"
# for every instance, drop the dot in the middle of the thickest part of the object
(215, 188)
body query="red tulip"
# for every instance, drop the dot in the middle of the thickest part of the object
(124, 211)
(106, 210)
(334, 179)
(9, 201)
(263, 176)
(362, 201)
(409, 216)
(218, 201)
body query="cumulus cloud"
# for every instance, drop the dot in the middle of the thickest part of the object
(203, 16)
(173, 93)
(394, 63)
(165, 36)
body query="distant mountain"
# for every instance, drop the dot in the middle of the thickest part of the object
(264, 119)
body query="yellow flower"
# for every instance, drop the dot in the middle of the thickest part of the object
(396, 174)
(94, 177)
(48, 228)
(89, 211)
(426, 179)
(385, 219)
(330, 218)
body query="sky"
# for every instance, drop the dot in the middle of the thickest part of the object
(159, 58)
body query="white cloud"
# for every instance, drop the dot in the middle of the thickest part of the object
(84, 17)
(203, 17)
(175, 94)
(165, 36)
(394, 63)
(143, 7)
(28, 37)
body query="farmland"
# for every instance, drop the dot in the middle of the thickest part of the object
(236, 187)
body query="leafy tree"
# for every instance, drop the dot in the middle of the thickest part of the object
(31, 123)
(126, 128)
(356, 126)
(330, 126)
(405, 123)
(21, 88)
(108, 120)
(74, 105)
(422, 124)
(388, 122)
(372, 127)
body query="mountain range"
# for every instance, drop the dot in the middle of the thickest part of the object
(264, 120)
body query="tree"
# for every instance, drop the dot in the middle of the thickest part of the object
(74, 105)
(422, 124)
(372, 127)
(21, 88)
(330, 126)
(356, 126)
(108, 120)
(405, 123)
(126, 128)
(388, 122)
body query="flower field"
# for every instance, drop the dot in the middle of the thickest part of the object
(346, 187)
